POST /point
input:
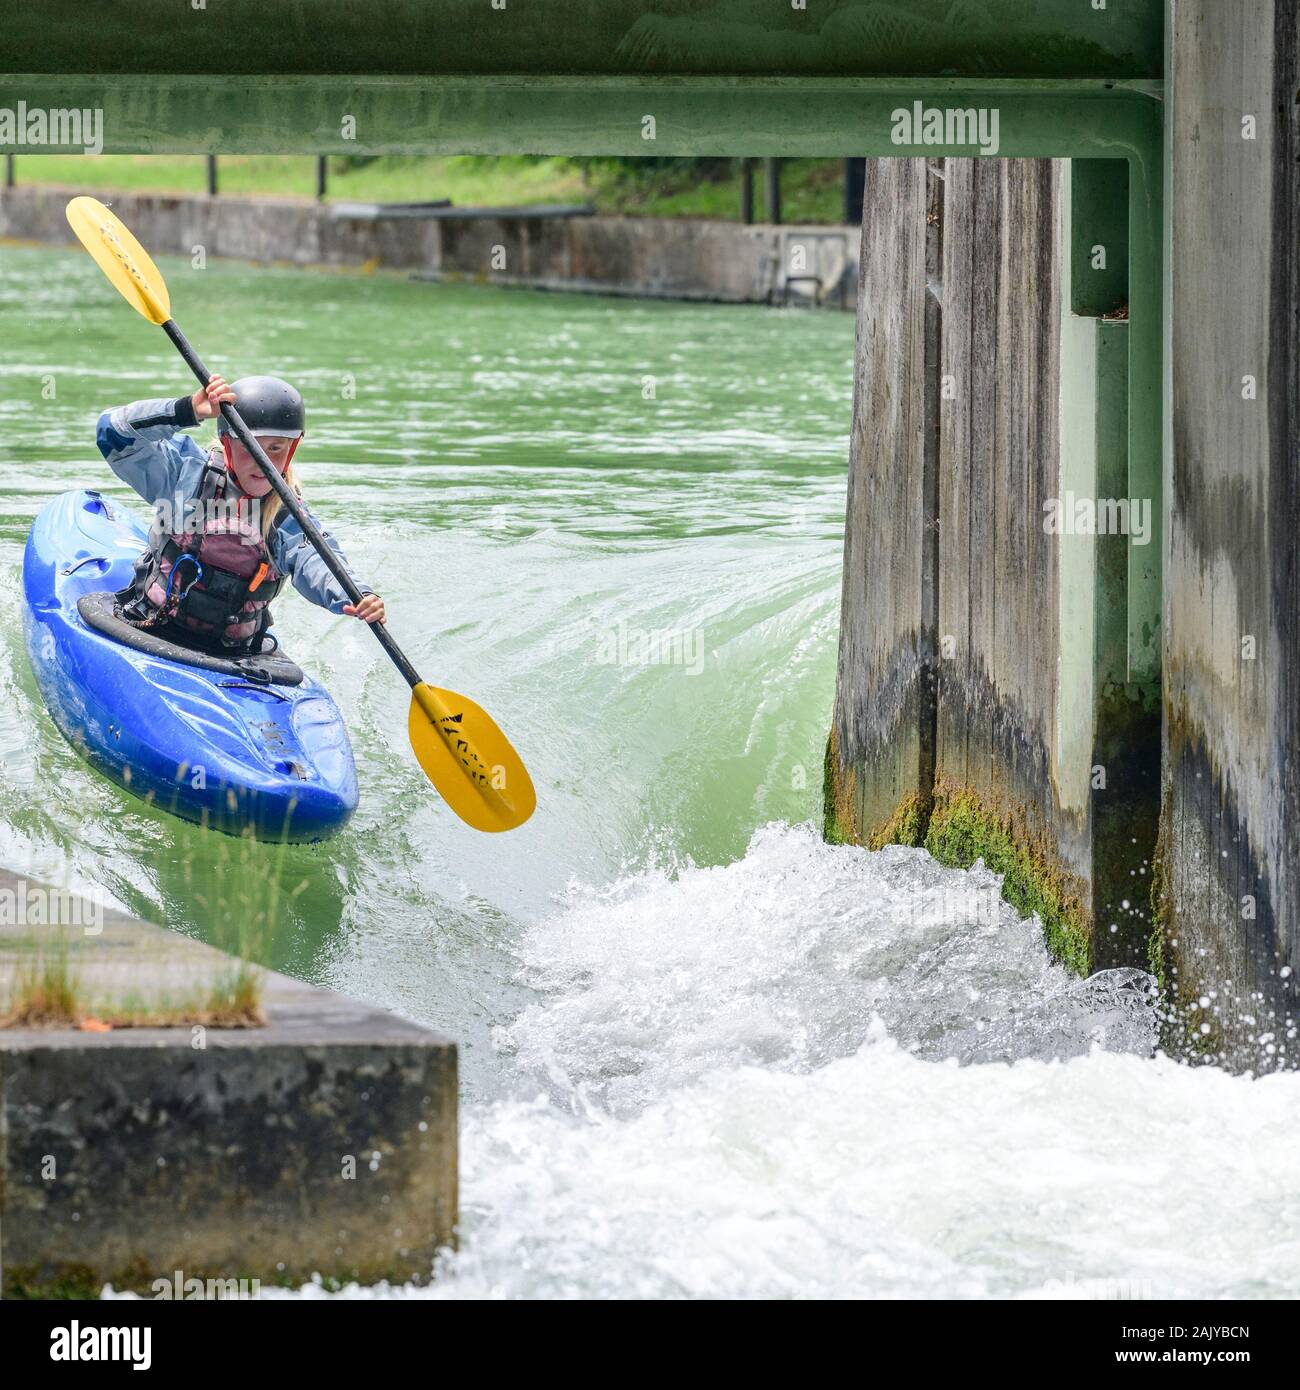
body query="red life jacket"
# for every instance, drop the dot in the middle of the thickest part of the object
(217, 579)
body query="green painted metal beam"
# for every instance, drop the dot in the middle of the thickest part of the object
(1009, 38)
(1145, 396)
(1110, 594)
(566, 115)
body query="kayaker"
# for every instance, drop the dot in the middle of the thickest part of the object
(222, 544)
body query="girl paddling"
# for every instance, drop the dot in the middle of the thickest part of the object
(221, 545)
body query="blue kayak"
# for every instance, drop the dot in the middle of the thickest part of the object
(243, 745)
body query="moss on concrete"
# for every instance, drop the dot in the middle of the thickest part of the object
(1181, 1016)
(1156, 955)
(840, 825)
(907, 826)
(68, 1281)
(79, 1282)
(1157, 960)
(839, 819)
(963, 829)
(957, 828)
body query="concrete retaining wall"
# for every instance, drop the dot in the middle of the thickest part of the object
(653, 257)
(1231, 834)
(321, 1143)
(982, 705)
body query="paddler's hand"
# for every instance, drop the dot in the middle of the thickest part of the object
(369, 610)
(207, 400)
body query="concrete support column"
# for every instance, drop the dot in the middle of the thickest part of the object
(1230, 833)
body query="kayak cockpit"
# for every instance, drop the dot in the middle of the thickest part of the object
(100, 612)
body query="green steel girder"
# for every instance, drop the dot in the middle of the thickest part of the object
(1008, 38)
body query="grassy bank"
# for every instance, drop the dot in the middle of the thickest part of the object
(811, 189)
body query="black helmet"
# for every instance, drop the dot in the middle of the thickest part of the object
(267, 405)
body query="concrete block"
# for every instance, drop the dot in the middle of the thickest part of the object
(321, 1143)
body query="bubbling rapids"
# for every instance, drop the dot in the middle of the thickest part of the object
(823, 1072)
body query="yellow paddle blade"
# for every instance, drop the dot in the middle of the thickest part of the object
(121, 257)
(469, 760)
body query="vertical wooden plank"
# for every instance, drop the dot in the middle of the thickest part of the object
(878, 729)
(1000, 457)
(1044, 474)
(955, 508)
(986, 277)
(1008, 461)
(1006, 364)
(1031, 739)
(931, 427)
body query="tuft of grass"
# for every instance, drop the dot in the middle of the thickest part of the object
(46, 991)
(235, 999)
(48, 994)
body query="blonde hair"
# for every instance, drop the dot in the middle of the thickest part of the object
(271, 506)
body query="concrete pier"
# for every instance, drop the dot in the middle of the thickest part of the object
(322, 1142)
(983, 702)
(1056, 655)
(1230, 835)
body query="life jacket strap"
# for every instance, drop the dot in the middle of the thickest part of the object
(215, 598)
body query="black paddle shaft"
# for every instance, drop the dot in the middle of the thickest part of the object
(286, 495)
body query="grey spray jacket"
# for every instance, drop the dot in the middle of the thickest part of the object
(145, 445)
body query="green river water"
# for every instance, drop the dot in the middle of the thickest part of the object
(702, 1053)
(600, 570)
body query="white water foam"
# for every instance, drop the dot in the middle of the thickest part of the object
(783, 959)
(768, 1079)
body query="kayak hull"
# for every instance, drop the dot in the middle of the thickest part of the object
(234, 752)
